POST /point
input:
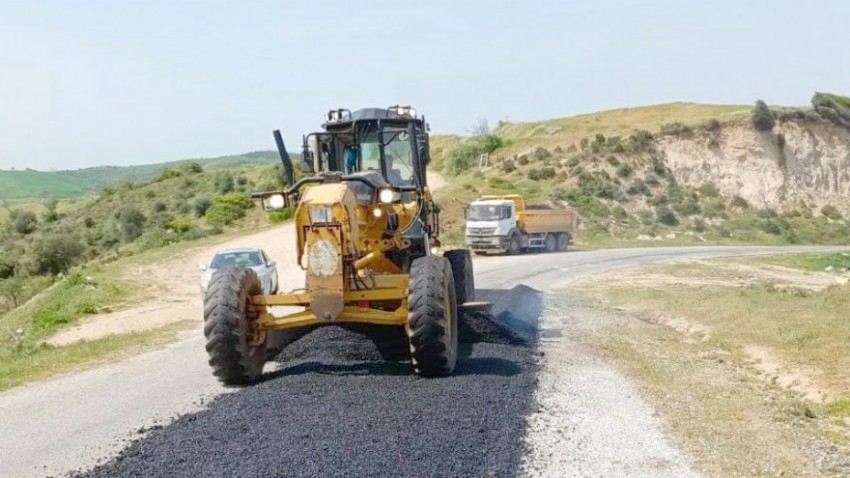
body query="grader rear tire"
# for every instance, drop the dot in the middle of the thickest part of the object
(228, 326)
(461, 262)
(432, 319)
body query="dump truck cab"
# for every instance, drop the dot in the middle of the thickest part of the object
(367, 232)
(489, 223)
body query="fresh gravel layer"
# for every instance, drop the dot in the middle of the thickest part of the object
(336, 408)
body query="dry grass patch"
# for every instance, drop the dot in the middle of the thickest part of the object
(746, 359)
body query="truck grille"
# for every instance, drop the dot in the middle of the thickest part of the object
(481, 231)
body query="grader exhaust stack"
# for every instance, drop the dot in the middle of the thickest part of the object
(366, 231)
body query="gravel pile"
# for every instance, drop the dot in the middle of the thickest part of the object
(336, 408)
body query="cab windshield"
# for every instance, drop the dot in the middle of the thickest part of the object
(483, 212)
(397, 153)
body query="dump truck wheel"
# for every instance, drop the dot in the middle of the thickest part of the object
(461, 262)
(551, 243)
(229, 326)
(513, 245)
(432, 318)
(563, 241)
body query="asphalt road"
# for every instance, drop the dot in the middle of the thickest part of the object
(331, 409)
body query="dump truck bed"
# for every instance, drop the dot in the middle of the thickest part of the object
(535, 221)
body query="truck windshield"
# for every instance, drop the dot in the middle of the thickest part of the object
(483, 212)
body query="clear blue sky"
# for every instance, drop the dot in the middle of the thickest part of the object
(89, 83)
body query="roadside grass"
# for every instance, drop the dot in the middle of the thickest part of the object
(84, 292)
(809, 262)
(45, 361)
(737, 370)
(726, 419)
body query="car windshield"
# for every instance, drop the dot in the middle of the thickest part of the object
(239, 259)
(483, 212)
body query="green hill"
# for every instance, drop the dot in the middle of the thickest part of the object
(29, 184)
(40, 184)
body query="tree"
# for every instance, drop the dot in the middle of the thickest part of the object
(56, 253)
(763, 119)
(25, 222)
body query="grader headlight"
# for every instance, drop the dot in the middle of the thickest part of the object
(276, 201)
(386, 195)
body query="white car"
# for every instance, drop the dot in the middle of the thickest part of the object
(255, 259)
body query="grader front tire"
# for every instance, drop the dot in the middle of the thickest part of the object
(432, 319)
(228, 326)
(461, 262)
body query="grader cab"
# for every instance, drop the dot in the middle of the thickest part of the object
(367, 235)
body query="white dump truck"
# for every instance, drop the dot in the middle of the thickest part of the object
(506, 224)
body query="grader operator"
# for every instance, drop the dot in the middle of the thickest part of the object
(367, 232)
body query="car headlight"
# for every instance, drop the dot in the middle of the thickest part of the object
(386, 195)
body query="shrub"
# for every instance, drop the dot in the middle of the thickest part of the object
(541, 154)
(24, 222)
(508, 166)
(675, 129)
(201, 206)
(709, 190)
(223, 214)
(50, 215)
(462, 158)
(646, 217)
(613, 161)
(665, 215)
(712, 126)
(178, 226)
(763, 119)
(276, 217)
(7, 267)
(224, 183)
(192, 168)
(831, 212)
(541, 174)
(159, 206)
(56, 253)
(88, 222)
(183, 207)
(651, 180)
(638, 186)
(687, 207)
(619, 213)
(12, 289)
(522, 160)
(242, 180)
(169, 173)
(624, 170)
(740, 202)
(714, 207)
(131, 222)
(236, 199)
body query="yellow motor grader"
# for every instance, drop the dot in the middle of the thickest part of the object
(367, 234)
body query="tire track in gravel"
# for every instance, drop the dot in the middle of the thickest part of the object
(336, 408)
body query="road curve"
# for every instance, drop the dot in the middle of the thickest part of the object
(332, 409)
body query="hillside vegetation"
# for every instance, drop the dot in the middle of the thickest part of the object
(683, 172)
(16, 185)
(181, 204)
